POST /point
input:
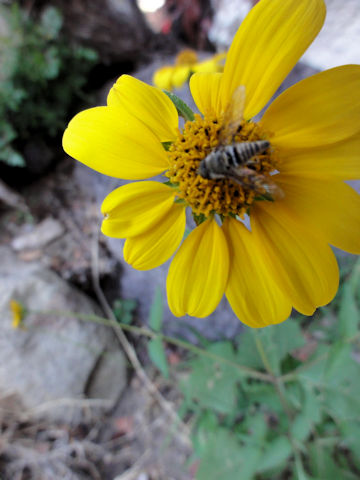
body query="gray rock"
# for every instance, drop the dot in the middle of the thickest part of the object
(116, 29)
(108, 377)
(336, 44)
(42, 234)
(54, 357)
(228, 16)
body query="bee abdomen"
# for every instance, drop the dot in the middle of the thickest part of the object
(246, 150)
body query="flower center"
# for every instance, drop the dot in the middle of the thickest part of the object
(225, 191)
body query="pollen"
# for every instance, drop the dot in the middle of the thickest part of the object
(207, 196)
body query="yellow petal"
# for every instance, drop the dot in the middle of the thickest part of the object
(205, 89)
(134, 208)
(338, 160)
(163, 76)
(155, 246)
(328, 206)
(118, 145)
(199, 271)
(212, 64)
(148, 104)
(180, 75)
(186, 57)
(252, 293)
(267, 45)
(303, 265)
(319, 110)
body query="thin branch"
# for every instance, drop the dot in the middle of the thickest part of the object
(128, 348)
(246, 371)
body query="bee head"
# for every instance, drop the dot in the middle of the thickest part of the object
(203, 171)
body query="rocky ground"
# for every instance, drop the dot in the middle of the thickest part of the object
(70, 401)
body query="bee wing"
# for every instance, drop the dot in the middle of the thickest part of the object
(274, 190)
(233, 116)
(246, 177)
(241, 175)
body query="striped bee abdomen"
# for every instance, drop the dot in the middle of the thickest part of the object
(246, 150)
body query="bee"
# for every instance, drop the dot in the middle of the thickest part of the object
(237, 161)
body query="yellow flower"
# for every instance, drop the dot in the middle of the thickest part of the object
(292, 196)
(186, 63)
(17, 311)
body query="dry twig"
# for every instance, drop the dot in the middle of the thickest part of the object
(183, 432)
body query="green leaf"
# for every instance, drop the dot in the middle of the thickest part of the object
(301, 427)
(7, 134)
(260, 393)
(11, 157)
(256, 428)
(183, 109)
(323, 465)
(349, 313)
(213, 384)
(156, 311)
(309, 408)
(277, 341)
(351, 437)
(224, 458)
(313, 372)
(53, 63)
(157, 355)
(276, 455)
(124, 310)
(51, 22)
(334, 377)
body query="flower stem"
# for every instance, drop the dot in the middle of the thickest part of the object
(280, 390)
(246, 371)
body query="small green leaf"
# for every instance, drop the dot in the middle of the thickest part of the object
(51, 22)
(11, 157)
(349, 313)
(157, 355)
(166, 145)
(276, 454)
(350, 432)
(301, 427)
(323, 465)
(226, 459)
(277, 342)
(156, 311)
(53, 63)
(211, 383)
(124, 310)
(183, 109)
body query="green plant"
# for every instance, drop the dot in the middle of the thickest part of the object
(42, 75)
(301, 419)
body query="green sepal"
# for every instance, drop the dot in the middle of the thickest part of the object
(199, 218)
(170, 184)
(166, 145)
(181, 107)
(180, 201)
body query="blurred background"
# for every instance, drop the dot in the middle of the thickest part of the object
(169, 398)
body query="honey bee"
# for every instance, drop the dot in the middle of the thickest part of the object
(237, 161)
